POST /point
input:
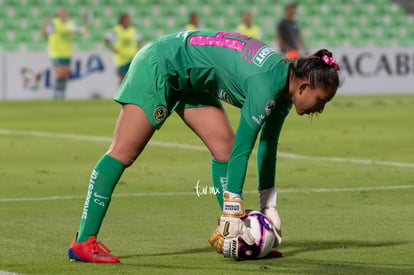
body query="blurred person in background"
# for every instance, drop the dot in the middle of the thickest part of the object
(193, 23)
(248, 28)
(60, 32)
(288, 34)
(124, 41)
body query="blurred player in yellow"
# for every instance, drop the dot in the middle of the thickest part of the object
(248, 28)
(60, 32)
(124, 41)
(194, 23)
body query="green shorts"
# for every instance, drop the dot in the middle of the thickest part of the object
(197, 100)
(60, 61)
(121, 70)
(145, 86)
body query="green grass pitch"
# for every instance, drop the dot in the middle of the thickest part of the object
(345, 180)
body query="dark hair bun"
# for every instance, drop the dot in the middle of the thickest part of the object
(322, 52)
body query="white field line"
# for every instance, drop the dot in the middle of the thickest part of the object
(3, 272)
(203, 148)
(161, 194)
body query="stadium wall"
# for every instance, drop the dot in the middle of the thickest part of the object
(29, 75)
(376, 70)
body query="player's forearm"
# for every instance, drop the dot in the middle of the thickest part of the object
(109, 45)
(266, 163)
(85, 20)
(45, 32)
(236, 172)
(267, 148)
(242, 148)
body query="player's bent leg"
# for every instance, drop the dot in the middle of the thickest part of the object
(132, 133)
(211, 124)
(103, 180)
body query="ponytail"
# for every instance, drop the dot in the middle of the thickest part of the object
(326, 57)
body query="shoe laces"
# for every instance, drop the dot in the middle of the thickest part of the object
(100, 247)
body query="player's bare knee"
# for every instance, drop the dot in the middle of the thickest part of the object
(221, 155)
(125, 159)
(222, 152)
(128, 162)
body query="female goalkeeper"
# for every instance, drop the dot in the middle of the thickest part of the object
(188, 72)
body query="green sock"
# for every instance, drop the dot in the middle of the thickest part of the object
(101, 185)
(60, 88)
(219, 174)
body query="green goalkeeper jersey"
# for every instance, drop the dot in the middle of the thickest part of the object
(239, 70)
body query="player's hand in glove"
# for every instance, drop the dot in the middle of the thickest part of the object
(267, 198)
(230, 226)
(238, 248)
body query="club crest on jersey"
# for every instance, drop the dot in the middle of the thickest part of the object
(270, 105)
(160, 113)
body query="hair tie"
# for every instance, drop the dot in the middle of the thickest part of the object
(330, 61)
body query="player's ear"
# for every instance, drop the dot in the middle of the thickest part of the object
(302, 86)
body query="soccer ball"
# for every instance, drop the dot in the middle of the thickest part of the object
(262, 230)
